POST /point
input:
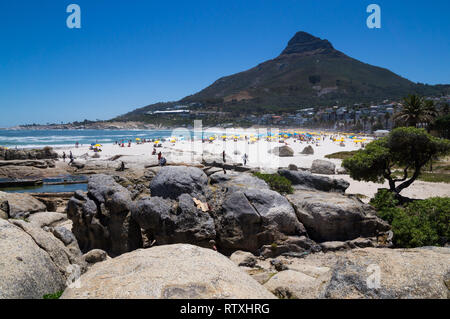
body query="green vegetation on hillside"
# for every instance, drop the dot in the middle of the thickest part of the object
(308, 73)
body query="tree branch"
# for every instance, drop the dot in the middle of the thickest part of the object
(405, 175)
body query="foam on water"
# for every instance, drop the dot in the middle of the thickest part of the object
(64, 138)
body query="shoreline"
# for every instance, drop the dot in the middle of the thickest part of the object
(195, 152)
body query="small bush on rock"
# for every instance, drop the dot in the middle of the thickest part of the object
(276, 182)
(56, 295)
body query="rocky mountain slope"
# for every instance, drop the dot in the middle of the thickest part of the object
(308, 72)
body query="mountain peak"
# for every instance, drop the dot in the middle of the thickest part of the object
(304, 42)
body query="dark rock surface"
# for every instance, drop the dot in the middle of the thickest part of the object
(102, 218)
(169, 222)
(172, 181)
(36, 154)
(306, 180)
(303, 42)
(250, 218)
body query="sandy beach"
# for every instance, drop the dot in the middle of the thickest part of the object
(193, 152)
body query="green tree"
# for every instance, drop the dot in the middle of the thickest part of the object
(442, 125)
(405, 148)
(416, 110)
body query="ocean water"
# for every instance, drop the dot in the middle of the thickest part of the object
(45, 188)
(58, 138)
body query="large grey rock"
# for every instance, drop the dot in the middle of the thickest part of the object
(323, 167)
(250, 218)
(102, 218)
(21, 205)
(13, 154)
(308, 150)
(366, 273)
(401, 273)
(40, 164)
(61, 256)
(172, 181)
(167, 272)
(170, 222)
(275, 210)
(26, 270)
(306, 180)
(335, 217)
(283, 151)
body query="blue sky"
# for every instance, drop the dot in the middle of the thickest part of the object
(129, 54)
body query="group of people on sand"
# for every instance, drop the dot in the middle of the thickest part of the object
(122, 144)
(161, 160)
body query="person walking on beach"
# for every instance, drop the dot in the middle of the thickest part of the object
(159, 156)
(245, 158)
(71, 157)
(223, 156)
(64, 156)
